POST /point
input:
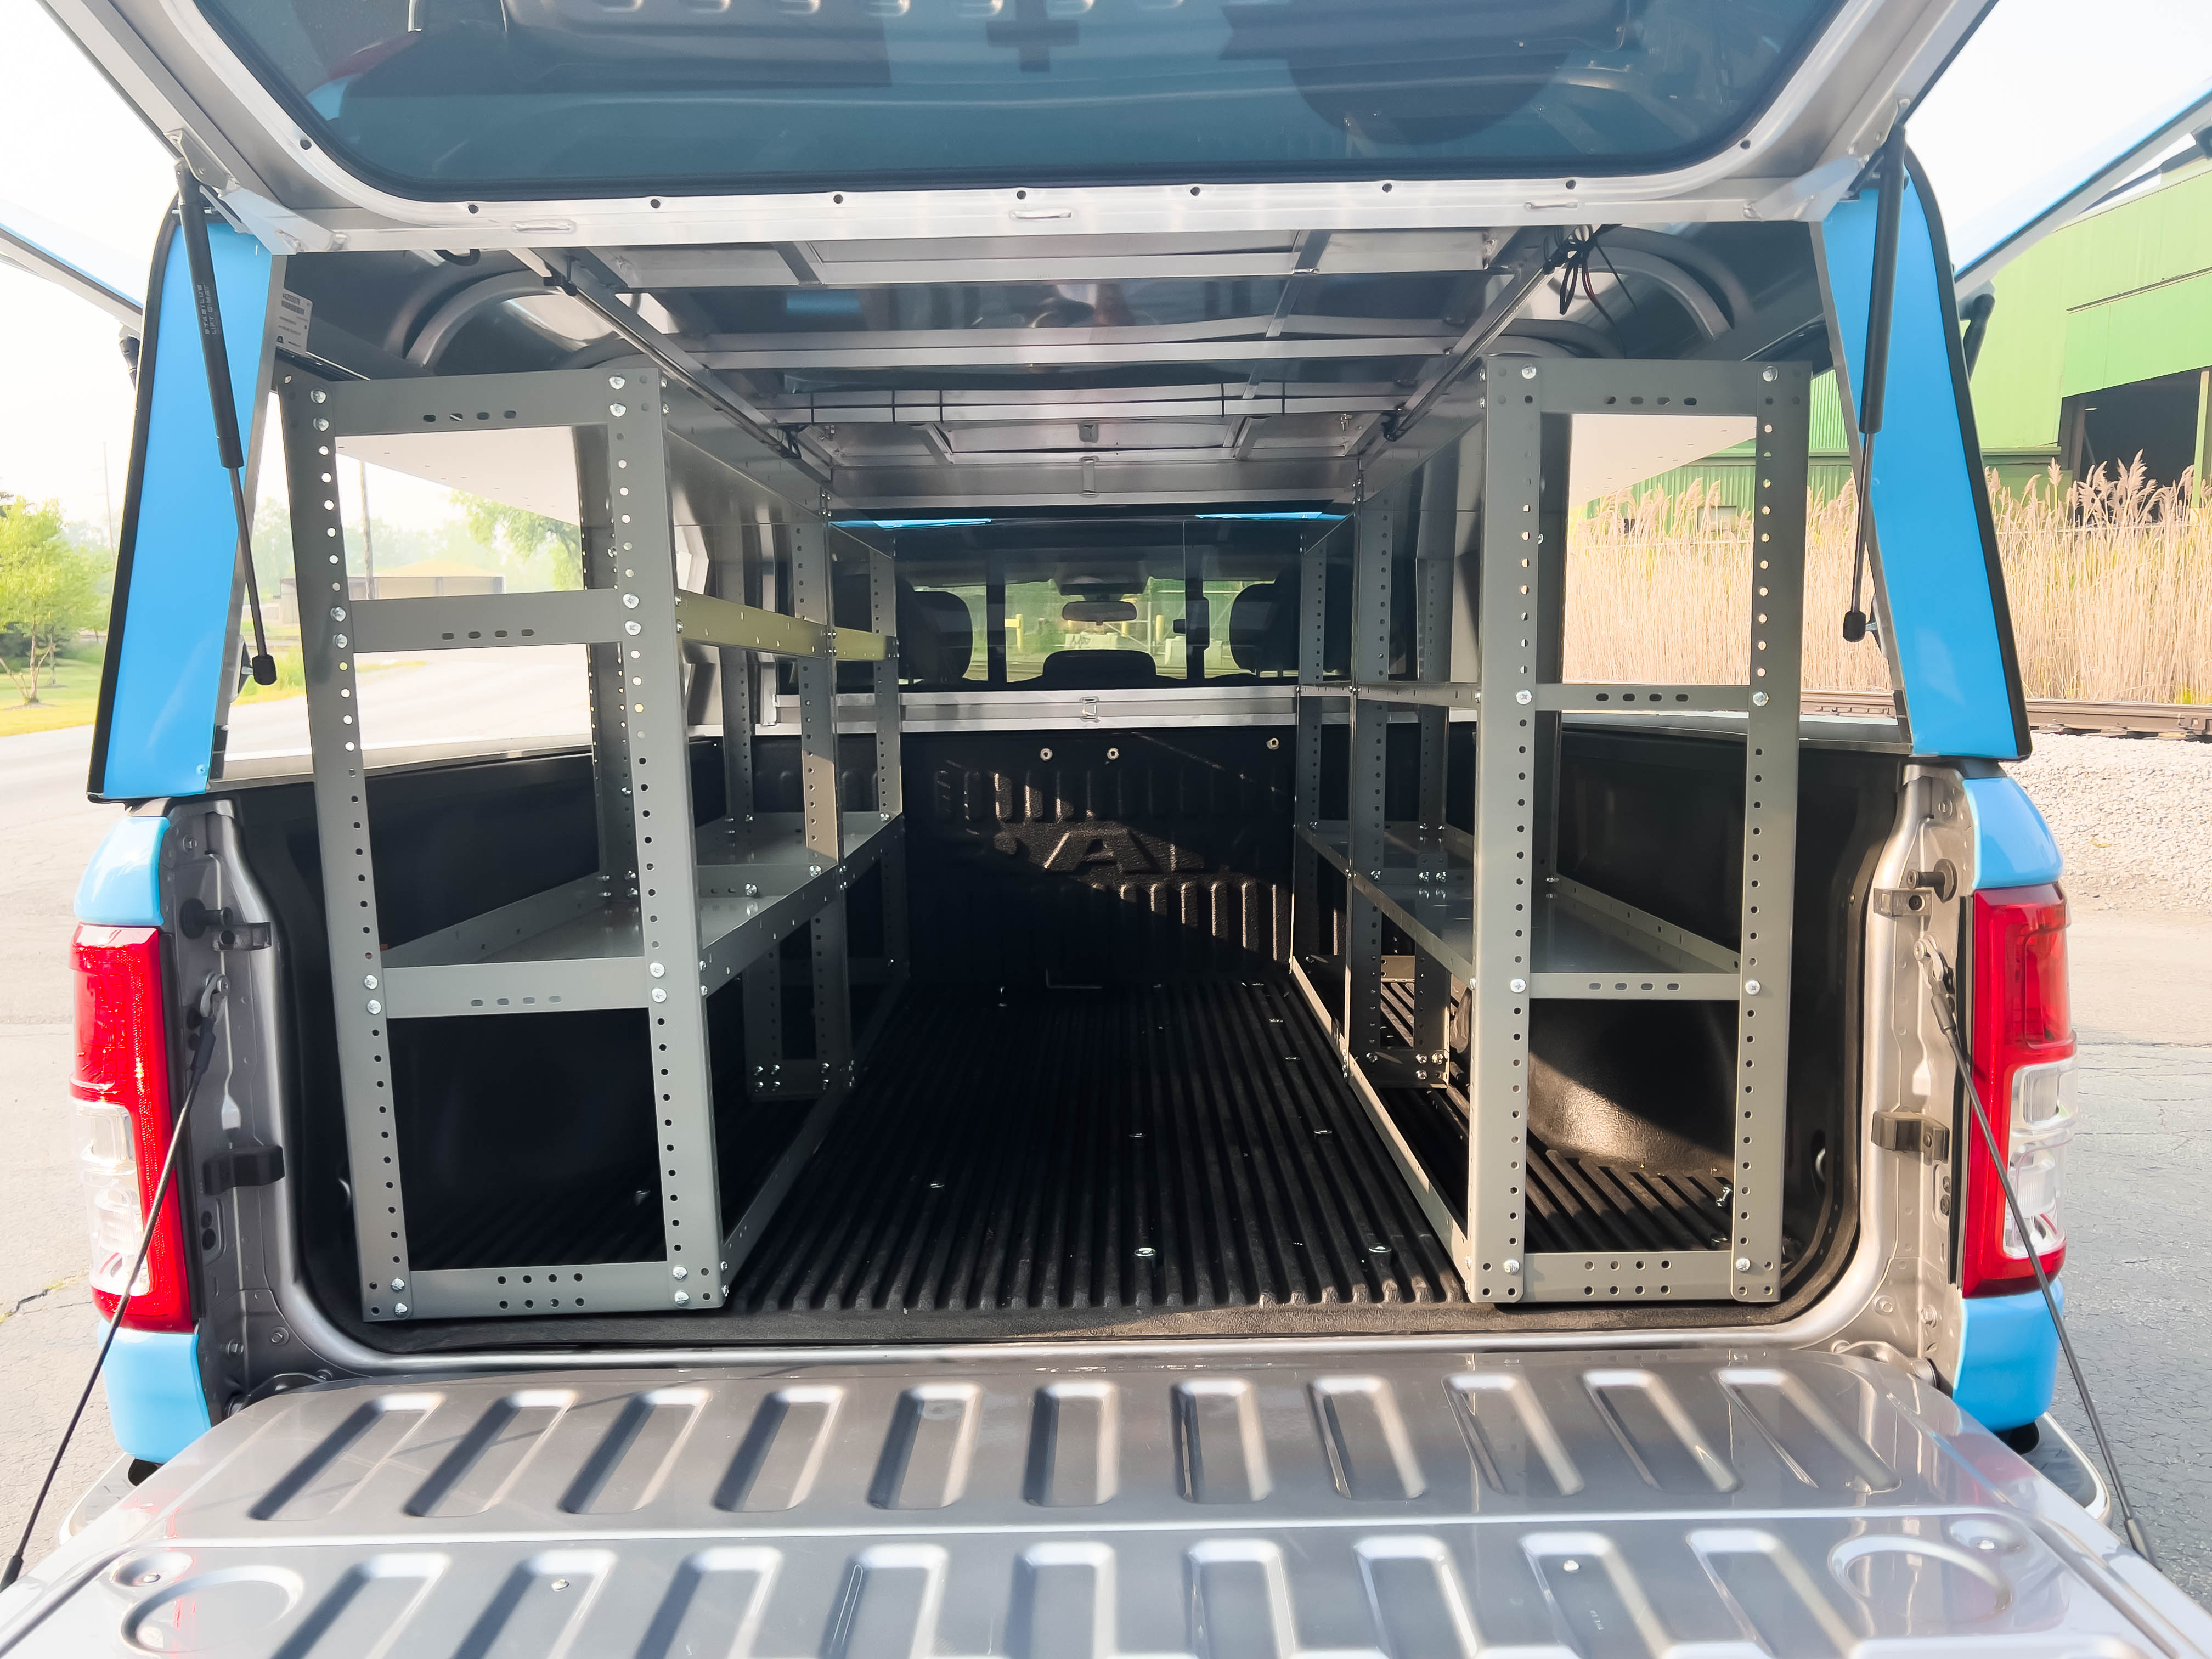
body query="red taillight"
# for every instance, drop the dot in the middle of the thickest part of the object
(2023, 1052)
(121, 1088)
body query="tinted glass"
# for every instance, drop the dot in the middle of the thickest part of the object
(517, 97)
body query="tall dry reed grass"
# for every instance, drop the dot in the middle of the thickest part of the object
(2110, 581)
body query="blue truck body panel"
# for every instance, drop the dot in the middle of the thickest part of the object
(122, 886)
(2007, 1358)
(154, 1396)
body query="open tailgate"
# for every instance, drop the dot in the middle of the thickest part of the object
(1727, 1501)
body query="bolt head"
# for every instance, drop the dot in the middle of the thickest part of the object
(1751, 987)
(680, 1271)
(618, 410)
(399, 1307)
(659, 994)
(1512, 1264)
(398, 1284)
(1743, 1264)
(1524, 697)
(682, 1297)
(658, 971)
(338, 613)
(1759, 699)
(374, 1007)
(1529, 373)
(1517, 986)
(616, 381)
(369, 981)
(1770, 374)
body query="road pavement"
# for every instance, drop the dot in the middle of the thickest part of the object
(2141, 1230)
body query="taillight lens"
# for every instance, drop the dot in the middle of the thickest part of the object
(121, 1090)
(2024, 1069)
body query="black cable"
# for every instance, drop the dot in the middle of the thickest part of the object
(192, 216)
(209, 1002)
(1943, 992)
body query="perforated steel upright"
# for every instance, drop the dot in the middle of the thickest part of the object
(645, 932)
(1532, 928)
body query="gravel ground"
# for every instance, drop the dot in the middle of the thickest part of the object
(2133, 817)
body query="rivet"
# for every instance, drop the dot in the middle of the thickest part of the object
(1759, 699)
(1769, 374)
(339, 641)
(319, 397)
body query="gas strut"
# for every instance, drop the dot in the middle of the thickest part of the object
(192, 215)
(1943, 995)
(1874, 377)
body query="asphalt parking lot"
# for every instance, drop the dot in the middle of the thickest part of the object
(2140, 1257)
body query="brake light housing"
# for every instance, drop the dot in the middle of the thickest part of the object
(2024, 1056)
(121, 1089)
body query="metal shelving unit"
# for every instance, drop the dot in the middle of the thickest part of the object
(673, 912)
(1490, 910)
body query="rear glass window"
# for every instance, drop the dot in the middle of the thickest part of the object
(489, 97)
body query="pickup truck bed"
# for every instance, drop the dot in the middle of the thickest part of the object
(1721, 1503)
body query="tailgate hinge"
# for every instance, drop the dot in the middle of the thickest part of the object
(253, 1165)
(1911, 1132)
(195, 918)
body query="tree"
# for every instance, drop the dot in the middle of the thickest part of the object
(48, 589)
(525, 538)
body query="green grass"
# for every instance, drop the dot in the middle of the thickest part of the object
(75, 702)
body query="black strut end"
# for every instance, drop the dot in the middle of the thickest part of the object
(1855, 626)
(265, 670)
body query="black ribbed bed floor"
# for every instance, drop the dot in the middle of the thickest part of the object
(1060, 1159)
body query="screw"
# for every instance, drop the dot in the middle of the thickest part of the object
(374, 1007)
(1743, 1264)
(399, 1307)
(1524, 696)
(1759, 699)
(319, 397)
(616, 381)
(657, 971)
(1529, 374)
(682, 1297)
(338, 613)
(680, 1271)
(398, 1284)
(618, 410)
(1751, 987)
(660, 995)
(1513, 1264)
(1518, 986)
(1769, 374)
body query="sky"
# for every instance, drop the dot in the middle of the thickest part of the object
(2041, 87)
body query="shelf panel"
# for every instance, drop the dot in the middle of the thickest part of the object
(1585, 943)
(579, 945)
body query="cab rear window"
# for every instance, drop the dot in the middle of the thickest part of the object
(453, 98)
